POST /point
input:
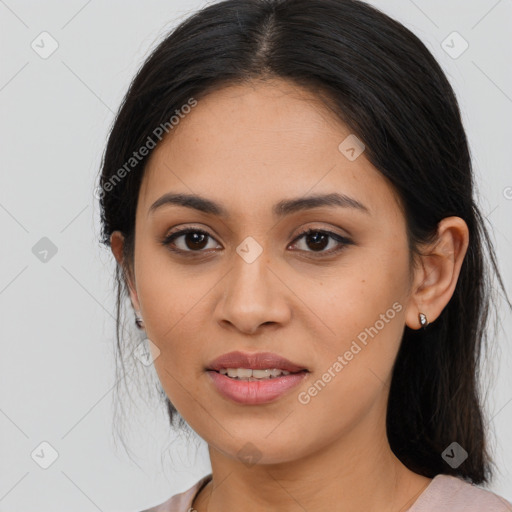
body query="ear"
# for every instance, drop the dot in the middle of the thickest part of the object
(117, 245)
(437, 271)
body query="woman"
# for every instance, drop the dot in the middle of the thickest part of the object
(288, 191)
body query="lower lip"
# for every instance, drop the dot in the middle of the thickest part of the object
(255, 392)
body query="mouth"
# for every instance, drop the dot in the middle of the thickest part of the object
(239, 364)
(254, 378)
(252, 375)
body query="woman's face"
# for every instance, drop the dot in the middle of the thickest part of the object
(332, 302)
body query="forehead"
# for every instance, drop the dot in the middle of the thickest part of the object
(256, 143)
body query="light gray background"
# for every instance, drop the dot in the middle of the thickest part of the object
(57, 326)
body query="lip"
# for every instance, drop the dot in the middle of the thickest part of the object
(258, 361)
(255, 392)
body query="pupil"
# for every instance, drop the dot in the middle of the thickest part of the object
(197, 240)
(316, 243)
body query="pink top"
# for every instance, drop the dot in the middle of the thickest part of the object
(444, 494)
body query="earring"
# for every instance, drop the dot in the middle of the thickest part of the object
(423, 320)
(138, 320)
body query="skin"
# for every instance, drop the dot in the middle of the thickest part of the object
(248, 147)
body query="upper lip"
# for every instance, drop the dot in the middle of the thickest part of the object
(258, 361)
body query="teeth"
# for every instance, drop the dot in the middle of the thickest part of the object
(247, 373)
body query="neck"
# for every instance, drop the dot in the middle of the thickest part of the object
(357, 472)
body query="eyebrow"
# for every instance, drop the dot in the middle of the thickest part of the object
(281, 209)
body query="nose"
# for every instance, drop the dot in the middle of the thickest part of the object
(253, 297)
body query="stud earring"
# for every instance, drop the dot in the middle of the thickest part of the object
(138, 320)
(423, 320)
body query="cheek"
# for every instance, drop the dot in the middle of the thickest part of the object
(168, 292)
(354, 365)
(354, 296)
(360, 313)
(171, 304)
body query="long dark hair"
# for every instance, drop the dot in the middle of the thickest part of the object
(383, 83)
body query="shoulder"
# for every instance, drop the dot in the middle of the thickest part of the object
(450, 493)
(181, 502)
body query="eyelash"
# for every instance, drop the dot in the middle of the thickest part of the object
(343, 241)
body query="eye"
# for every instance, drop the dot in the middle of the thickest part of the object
(193, 240)
(318, 240)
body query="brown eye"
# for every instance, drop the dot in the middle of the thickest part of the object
(195, 241)
(188, 240)
(316, 241)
